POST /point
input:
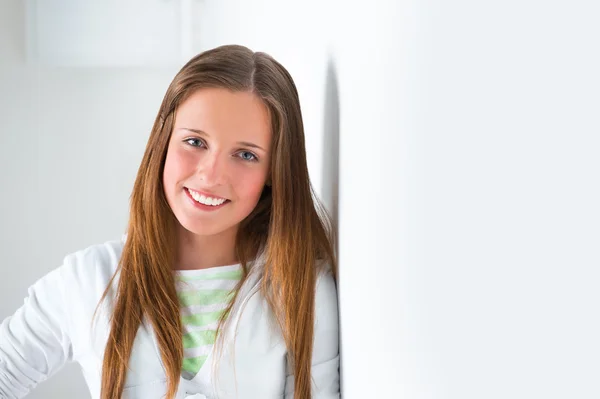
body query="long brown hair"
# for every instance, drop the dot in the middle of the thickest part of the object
(289, 227)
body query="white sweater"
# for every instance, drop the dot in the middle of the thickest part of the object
(54, 327)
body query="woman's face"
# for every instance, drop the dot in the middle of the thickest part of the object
(218, 159)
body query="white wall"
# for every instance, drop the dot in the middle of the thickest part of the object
(70, 144)
(468, 182)
(472, 272)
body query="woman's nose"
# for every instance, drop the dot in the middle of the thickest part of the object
(212, 169)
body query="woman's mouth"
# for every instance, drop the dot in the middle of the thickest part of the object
(204, 200)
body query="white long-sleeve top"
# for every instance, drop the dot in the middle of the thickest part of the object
(54, 326)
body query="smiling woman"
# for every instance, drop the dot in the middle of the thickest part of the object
(211, 166)
(224, 285)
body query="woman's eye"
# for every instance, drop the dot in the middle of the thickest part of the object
(195, 142)
(248, 156)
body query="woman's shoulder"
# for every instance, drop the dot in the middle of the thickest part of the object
(95, 264)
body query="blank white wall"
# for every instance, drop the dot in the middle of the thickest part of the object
(102, 33)
(469, 199)
(70, 144)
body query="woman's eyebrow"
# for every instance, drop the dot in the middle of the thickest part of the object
(243, 143)
(252, 145)
(202, 132)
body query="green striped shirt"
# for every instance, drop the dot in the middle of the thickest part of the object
(203, 296)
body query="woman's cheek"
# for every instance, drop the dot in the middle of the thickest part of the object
(252, 184)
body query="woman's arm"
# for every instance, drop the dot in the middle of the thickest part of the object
(34, 342)
(325, 359)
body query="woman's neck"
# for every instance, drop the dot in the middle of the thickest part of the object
(202, 252)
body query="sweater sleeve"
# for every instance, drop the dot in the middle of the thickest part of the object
(325, 357)
(34, 341)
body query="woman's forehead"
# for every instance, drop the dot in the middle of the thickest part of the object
(217, 111)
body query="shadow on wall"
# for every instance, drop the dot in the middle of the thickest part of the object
(331, 145)
(331, 157)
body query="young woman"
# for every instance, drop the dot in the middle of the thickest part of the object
(224, 285)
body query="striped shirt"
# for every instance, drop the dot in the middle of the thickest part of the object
(203, 296)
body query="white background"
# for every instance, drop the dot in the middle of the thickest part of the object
(467, 135)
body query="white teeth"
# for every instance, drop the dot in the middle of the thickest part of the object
(206, 200)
